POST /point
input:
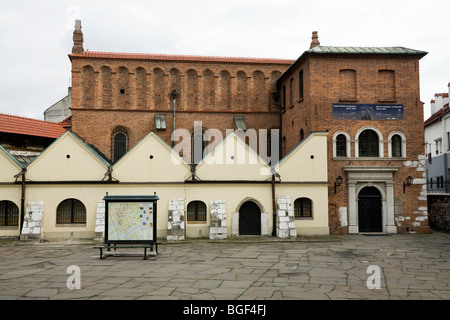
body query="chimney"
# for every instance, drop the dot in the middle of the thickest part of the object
(77, 39)
(432, 107)
(315, 40)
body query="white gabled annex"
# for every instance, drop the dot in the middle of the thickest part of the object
(232, 159)
(9, 166)
(68, 159)
(151, 160)
(307, 161)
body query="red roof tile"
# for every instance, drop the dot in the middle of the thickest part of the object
(167, 57)
(31, 127)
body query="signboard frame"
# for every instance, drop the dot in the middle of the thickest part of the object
(131, 199)
(366, 111)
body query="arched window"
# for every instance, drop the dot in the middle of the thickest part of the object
(196, 211)
(368, 144)
(9, 213)
(396, 146)
(341, 146)
(120, 142)
(71, 211)
(303, 208)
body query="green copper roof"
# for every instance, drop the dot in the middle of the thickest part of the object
(365, 50)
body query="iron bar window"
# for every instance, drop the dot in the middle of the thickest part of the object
(9, 213)
(71, 211)
(196, 211)
(303, 208)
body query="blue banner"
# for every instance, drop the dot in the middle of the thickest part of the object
(367, 111)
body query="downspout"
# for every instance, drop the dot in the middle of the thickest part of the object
(280, 135)
(274, 208)
(22, 199)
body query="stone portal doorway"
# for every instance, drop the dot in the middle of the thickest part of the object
(249, 219)
(369, 210)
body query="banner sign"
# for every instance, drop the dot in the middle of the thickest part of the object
(367, 111)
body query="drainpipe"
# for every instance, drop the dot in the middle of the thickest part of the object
(274, 208)
(274, 203)
(174, 96)
(22, 200)
(280, 122)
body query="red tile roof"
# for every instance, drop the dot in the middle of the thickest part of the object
(31, 127)
(437, 115)
(167, 57)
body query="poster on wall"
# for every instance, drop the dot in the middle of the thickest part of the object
(130, 219)
(367, 111)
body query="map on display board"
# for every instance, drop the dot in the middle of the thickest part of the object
(130, 221)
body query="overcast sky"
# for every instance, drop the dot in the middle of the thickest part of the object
(36, 36)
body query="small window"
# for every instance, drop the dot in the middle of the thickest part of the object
(120, 145)
(303, 208)
(196, 211)
(396, 146)
(160, 121)
(239, 121)
(291, 91)
(9, 214)
(71, 211)
(301, 84)
(341, 146)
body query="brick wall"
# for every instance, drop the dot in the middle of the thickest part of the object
(375, 80)
(107, 93)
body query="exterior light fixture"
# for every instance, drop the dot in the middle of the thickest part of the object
(338, 182)
(409, 181)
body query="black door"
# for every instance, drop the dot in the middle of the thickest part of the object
(369, 210)
(249, 219)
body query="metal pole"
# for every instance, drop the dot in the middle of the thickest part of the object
(174, 96)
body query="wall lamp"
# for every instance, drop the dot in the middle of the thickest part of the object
(338, 182)
(409, 181)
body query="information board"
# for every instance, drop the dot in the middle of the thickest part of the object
(367, 111)
(130, 219)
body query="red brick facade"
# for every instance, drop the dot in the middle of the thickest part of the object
(361, 79)
(113, 92)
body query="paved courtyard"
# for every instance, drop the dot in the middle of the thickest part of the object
(326, 267)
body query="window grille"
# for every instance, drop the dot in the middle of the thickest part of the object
(196, 211)
(302, 208)
(9, 213)
(71, 211)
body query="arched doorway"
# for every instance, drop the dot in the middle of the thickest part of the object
(249, 219)
(369, 210)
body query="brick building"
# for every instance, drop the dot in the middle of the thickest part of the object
(366, 98)
(127, 95)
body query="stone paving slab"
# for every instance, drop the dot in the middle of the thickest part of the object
(319, 268)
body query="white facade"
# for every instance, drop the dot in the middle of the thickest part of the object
(438, 131)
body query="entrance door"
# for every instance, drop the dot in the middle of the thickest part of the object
(249, 219)
(369, 210)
